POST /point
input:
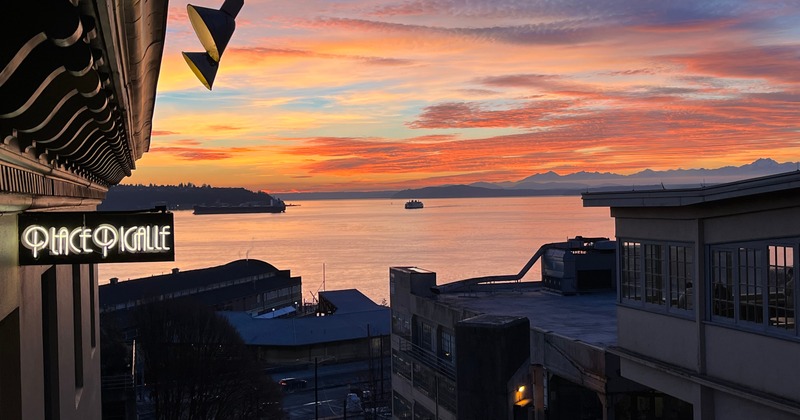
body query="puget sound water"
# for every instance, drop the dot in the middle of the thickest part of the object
(352, 243)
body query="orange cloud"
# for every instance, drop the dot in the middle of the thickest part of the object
(162, 133)
(199, 154)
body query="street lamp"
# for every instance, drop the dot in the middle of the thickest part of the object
(214, 28)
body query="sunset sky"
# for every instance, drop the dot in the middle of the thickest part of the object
(324, 95)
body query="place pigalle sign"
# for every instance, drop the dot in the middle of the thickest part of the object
(95, 237)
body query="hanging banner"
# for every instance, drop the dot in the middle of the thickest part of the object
(95, 237)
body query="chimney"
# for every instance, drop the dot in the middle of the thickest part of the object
(114, 280)
(175, 270)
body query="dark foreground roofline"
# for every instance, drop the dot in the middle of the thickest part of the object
(691, 196)
(117, 293)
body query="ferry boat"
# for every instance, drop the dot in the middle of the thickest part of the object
(274, 206)
(414, 204)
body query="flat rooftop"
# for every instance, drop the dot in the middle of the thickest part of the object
(590, 318)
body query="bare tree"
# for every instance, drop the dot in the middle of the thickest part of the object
(197, 366)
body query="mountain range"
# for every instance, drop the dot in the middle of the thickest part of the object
(184, 196)
(672, 177)
(551, 183)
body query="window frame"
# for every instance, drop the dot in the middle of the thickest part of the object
(762, 282)
(633, 250)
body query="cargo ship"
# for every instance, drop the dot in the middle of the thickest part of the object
(275, 205)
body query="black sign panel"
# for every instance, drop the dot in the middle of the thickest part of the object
(95, 237)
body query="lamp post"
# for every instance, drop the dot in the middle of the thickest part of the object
(214, 28)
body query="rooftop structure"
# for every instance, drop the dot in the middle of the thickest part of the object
(498, 347)
(345, 301)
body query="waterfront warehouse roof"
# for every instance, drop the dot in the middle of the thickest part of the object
(288, 332)
(346, 301)
(77, 88)
(590, 318)
(210, 285)
(773, 184)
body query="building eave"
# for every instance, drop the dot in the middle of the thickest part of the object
(694, 196)
(78, 81)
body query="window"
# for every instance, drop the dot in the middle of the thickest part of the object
(401, 364)
(722, 287)
(92, 303)
(400, 325)
(77, 324)
(426, 338)
(422, 413)
(50, 343)
(631, 271)
(780, 287)
(680, 277)
(401, 407)
(446, 344)
(752, 284)
(750, 296)
(653, 274)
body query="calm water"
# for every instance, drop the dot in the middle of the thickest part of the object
(356, 241)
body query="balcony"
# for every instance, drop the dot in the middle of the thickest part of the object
(428, 358)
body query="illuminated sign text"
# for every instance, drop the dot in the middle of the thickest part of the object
(54, 238)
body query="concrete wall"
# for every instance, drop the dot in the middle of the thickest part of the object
(756, 361)
(678, 387)
(763, 224)
(655, 228)
(492, 350)
(728, 407)
(568, 358)
(22, 314)
(666, 338)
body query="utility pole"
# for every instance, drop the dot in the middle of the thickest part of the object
(371, 366)
(383, 378)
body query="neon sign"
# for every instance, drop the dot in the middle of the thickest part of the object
(94, 237)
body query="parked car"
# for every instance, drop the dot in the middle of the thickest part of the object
(292, 384)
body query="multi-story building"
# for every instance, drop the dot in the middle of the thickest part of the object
(706, 298)
(500, 348)
(77, 91)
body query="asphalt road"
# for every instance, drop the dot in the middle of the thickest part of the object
(335, 382)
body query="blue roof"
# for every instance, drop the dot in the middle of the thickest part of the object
(348, 301)
(310, 330)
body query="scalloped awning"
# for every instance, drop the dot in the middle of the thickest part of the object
(78, 82)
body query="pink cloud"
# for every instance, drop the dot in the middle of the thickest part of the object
(471, 115)
(778, 63)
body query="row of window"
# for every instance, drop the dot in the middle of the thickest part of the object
(748, 286)
(444, 346)
(422, 335)
(657, 274)
(749, 283)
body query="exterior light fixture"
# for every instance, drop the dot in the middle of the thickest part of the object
(214, 28)
(521, 389)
